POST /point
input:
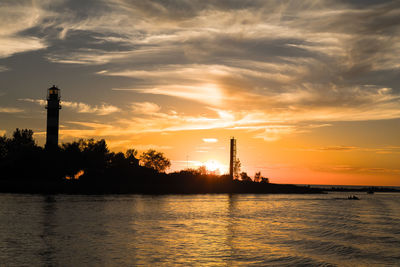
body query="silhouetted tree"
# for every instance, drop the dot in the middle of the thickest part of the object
(23, 137)
(20, 156)
(72, 157)
(155, 160)
(3, 147)
(92, 168)
(130, 155)
(260, 179)
(236, 169)
(21, 144)
(244, 177)
(118, 160)
(189, 171)
(264, 180)
(95, 153)
(202, 170)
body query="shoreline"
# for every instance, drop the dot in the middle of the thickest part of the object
(74, 188)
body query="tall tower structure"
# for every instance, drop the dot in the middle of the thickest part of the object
(232, 161)
(53, 109)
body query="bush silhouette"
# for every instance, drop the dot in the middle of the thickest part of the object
(155, 160)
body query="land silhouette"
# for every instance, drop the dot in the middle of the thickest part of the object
(89, 167)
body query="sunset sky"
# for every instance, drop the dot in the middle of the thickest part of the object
(310, 89)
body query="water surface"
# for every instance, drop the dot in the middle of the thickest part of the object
(200, 230)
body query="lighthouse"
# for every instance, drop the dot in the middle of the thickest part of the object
(232, 159)
(53, 109)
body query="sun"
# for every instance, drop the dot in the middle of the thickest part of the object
(214, 166)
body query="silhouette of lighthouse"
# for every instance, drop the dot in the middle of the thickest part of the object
(232, 159)
(53, 109)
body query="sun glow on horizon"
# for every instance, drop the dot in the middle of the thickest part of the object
(215, 166)
(307, 101)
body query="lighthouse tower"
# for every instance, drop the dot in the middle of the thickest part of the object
(232, 159)
(53, 109)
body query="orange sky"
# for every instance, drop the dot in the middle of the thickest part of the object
(310, 89)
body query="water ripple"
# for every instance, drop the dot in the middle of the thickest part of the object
(205, 230)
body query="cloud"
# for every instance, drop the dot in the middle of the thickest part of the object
(15, 18)
(383, 150)
(145, 108)
(10, 110)
(205, 93)
(148, 118)
(103, 109)
(377, 150)
(37, 101)
(151, 122)
(339, 148)
(272, 68)
(87, 57)
(10, 46)
(357, 169)
(210, 140)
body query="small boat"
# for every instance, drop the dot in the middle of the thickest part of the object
(353, 197)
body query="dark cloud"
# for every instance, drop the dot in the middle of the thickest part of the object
(185, 9)
(297, 54)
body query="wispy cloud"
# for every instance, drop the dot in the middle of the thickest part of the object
(204, 93)
(275, 132)
(357, 169)
(10, 46)
(88, 57)
(15, 17)
(150, 119)
(102, 109)
(10, 110)
(37, 101)
(145, 108)
(267, 67)
(338, 148)
(210, 140)
(377, 150)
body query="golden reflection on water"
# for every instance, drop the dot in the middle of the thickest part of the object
(186, 229)
(212, 230)
(199, 230)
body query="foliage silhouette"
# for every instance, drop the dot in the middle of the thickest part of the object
(236, 169)
(202, 170)
(258, 178)
(88, 167)
(155, 160)
(244, 177)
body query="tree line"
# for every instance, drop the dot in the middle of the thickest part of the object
(75, 159)
(22, 158)
(88, 166)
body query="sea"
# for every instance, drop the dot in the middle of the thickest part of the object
(200, 230)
